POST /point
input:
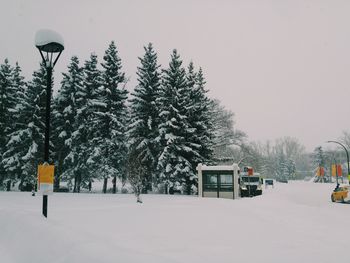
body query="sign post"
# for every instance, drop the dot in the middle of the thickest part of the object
(45, 182)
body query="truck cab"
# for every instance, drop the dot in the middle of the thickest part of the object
(250, 183)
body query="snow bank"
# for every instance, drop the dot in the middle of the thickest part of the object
(293, 222)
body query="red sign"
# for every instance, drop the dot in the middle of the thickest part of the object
(339, 170)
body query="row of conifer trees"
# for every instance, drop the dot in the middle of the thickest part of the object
(152, 137)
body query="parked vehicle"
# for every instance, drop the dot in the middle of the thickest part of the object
(282, 180)
(341, 194)
(250, 183)
(268, 182)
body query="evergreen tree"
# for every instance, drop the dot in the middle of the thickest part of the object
(203, 122)
(290, 169)
(65, 116)
(319, 157)
(11, 157)
(60, 152)
(6, 104)
(143, 128)
(174, 164)
(12, 84)
(7, 99)
(319, 160)
(281, 168)
(110, 118)
(83, 137)
(198, 115)
(26, 146)
(19, 86)
(36, 95)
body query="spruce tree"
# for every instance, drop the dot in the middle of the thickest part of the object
(83, 138)
(14, 146)
(28, 139)
(6, 104)
(19, 87)
(110, 118)
(11, 101)
(7, 100)
(58, 124)
(202, 118)
(319, 160)
(65, 116)
(144, 120)
(174, 162)
(199, 136)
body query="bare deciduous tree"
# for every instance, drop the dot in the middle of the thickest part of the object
(225, 136)
(345, 138)
(135, 174)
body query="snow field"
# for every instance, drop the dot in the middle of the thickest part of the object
(293, 222)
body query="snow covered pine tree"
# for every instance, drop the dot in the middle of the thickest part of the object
(144, 117)
(65, 111)
(174, 163)
(110, 118)
(12, 97)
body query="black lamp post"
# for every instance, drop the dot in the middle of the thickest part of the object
(50, 44)
(347, 154)
(336, 171)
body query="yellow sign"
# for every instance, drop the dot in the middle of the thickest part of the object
(46, 174)
(334, 170)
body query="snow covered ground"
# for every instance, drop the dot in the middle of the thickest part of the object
(293, 222)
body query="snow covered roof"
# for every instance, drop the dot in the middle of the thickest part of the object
(49, 41)
(218, 167)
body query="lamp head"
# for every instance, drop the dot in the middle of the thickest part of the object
(50, 42)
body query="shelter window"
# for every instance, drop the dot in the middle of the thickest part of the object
(218, 182)
(210, 182)
(226, 183)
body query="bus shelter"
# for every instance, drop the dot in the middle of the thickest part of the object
(218, 181)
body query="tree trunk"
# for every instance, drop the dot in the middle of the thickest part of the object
(77, 181)
(75, 184)
(188, 189)
(138, 191)
(1, 179)
(20, 186)
(188, 186)
(138, 197)
(114, 184)
(166, 188)
(56, 185)
(104, 190)
(8, 186)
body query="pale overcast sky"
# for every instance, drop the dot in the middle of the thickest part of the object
(282, 66)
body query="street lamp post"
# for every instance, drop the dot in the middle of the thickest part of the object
(347, 155)
(48, 43)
